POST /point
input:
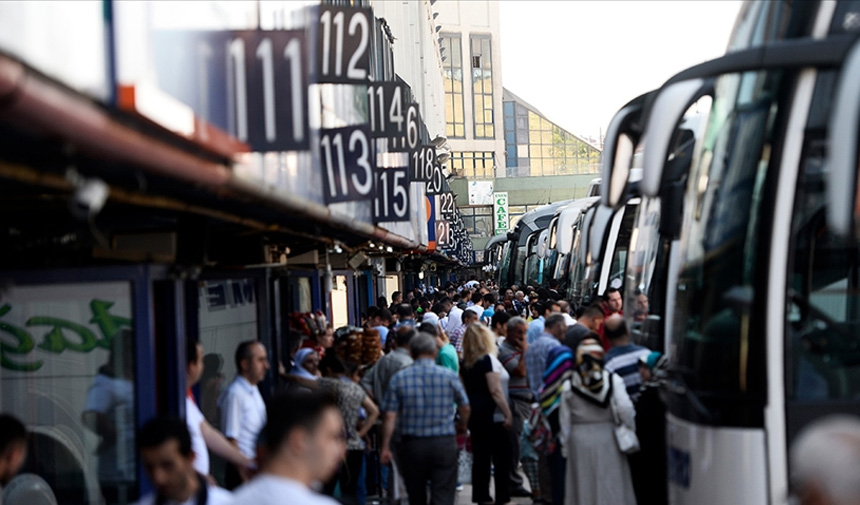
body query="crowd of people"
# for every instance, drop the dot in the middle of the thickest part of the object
(555, 404)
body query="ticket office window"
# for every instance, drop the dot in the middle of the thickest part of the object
(67, 371)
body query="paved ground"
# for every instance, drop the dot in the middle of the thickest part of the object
(464, 497)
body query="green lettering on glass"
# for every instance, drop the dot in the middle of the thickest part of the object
(56, 341)
(24, 345)
(108, 324)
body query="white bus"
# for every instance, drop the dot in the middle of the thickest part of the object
(764, 336)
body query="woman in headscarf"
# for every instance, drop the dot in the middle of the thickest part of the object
(306, 364)
(597, 470)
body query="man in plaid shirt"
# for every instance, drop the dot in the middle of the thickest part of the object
(420, 401)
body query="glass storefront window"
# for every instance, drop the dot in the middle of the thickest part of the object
(67, 371)
(227, 317)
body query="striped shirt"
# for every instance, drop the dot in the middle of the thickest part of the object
(536, 357)
(423, 396)
(624, 361)
(518, 387)
(456, 337)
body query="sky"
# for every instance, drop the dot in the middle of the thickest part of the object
(578, 62)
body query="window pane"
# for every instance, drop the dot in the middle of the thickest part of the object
(228, 317)
(67, 372)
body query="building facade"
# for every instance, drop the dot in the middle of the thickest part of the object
(497, 141)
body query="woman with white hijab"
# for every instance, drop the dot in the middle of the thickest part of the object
(597, 470)
(306, 364)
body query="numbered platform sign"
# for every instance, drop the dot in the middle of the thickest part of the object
(348, 164)
(422, 162)
(407, 140)
(392, 195)
(447, 206)
(435, 185)
(344, 44)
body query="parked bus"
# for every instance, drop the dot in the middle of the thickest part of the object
(766, 311)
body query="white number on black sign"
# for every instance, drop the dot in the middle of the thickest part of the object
(434, 185)
(385, 109)
(392, 195)
(443, 234)
(344, 35)
(258, 64)
(347, 164)
(423, 161)
(446, 204)
(408, 140)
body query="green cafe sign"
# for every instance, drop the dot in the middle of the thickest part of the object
(55, 336)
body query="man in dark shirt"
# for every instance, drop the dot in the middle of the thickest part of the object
(589, 322)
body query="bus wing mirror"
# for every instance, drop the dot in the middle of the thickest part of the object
(622, 136)
(664, 117)
(542, 244)
(843, 214)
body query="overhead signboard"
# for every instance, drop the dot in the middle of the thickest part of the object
(480, 192)
(347, 164)
(344, 44)
(500, 212)
(392, 195)
(252, 83)
(422, 162)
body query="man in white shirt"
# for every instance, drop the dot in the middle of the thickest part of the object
(204, 437)
(243, 411)
(304, 445)
(455, 315)
(165, 450)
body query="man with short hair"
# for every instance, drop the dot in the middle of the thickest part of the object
(520, 303)
(499, 325)
(13, 448)
(420, 402)
(623, 356)
(511, 354)
(538, 350)
(304, 445)
(376, 379)
(167, 456)
(536, 328)
(379, 320)
(564, 308)
(243, 412)
(589, 322)
(614, 302)
(488, 301)
(204, 437)
(405, 316)
(456, 336)
(455, 315)
(396, 299)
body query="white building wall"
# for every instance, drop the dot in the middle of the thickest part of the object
(416, 56)
(468, 17)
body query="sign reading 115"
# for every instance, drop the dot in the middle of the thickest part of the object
(348, 164)
(268, 88)
(392, 195)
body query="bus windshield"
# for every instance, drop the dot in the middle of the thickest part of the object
(718, 328)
